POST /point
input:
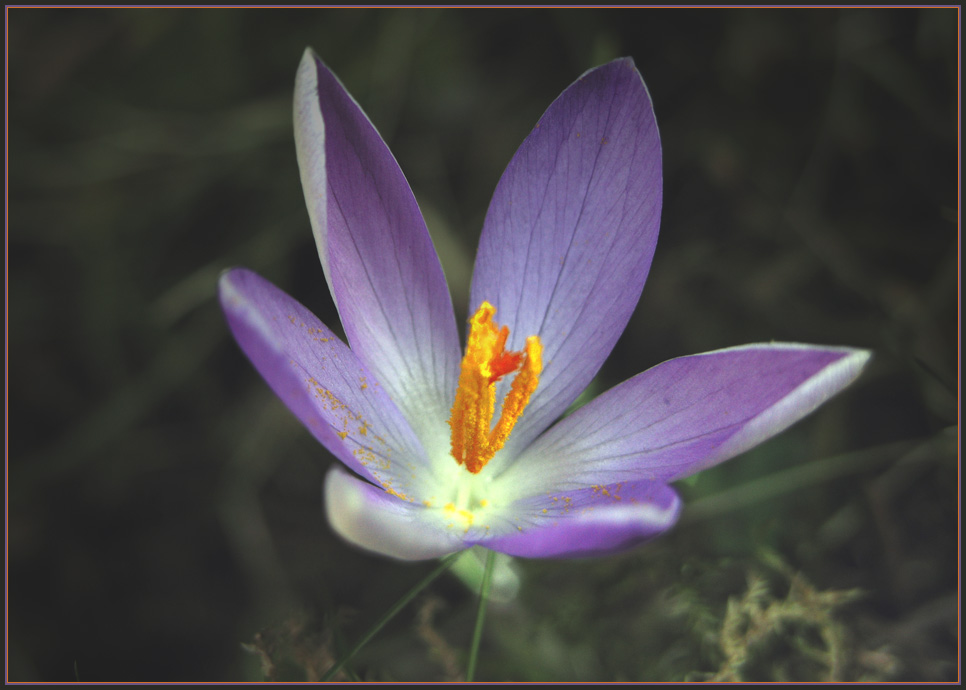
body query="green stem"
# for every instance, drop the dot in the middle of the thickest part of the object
(390, 614)
(480, 614)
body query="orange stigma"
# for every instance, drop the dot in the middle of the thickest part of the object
(486, 361)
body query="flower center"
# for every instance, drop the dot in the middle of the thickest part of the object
(474, 438)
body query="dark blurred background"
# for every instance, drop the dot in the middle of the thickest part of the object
(164, 508)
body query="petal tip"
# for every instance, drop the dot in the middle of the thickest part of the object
(228, 285)
(860, 359)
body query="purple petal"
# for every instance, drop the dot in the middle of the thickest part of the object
(570, 233)
(690, 413)
(379, 261)
(321, 381)
(593, 521)
(378, 521)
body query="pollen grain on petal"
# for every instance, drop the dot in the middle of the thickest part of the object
(464, 516)
(388, 487)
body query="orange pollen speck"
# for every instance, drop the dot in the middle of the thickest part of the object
(473, 441)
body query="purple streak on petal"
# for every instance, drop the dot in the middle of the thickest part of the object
(320, 380)
(690, 413)
(593, 521)
(380, 263)
(378, 521)
(570, 233)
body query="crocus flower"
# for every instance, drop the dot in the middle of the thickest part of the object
(442, 450)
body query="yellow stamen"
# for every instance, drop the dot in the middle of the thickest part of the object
(487, 360)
